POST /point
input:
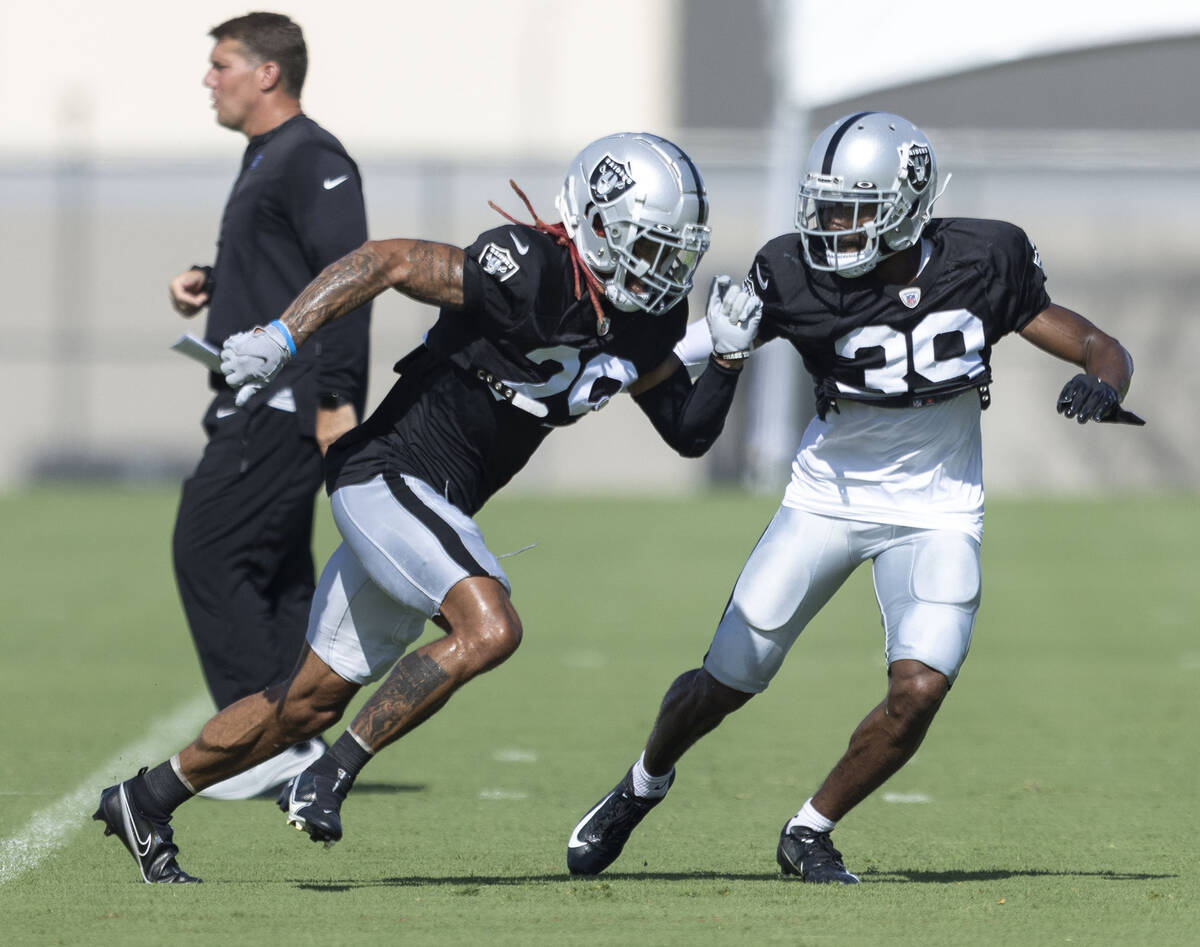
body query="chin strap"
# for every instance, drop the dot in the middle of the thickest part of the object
(595, 288)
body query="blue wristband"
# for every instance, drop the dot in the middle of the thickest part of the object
(287, 336)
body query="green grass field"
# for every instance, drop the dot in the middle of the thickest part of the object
(1054, 802)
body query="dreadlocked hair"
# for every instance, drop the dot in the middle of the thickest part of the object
(559, 233)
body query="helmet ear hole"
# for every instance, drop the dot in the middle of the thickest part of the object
(597, 224)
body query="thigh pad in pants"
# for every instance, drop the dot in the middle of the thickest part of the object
(404, 547)
(797, 565)
(928, 586)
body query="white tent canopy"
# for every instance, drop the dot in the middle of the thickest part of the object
(826, 57)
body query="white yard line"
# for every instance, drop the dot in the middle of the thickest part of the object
(906, 797)
(50, 828)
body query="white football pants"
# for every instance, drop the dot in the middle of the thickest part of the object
(927, 583)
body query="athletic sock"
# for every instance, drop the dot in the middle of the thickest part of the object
(810, 818)
(647, 786)
(347, 754)
(159, 791)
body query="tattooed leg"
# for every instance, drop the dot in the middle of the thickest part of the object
(261, 725)
(482, 631)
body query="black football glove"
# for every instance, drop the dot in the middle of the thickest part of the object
(1089, 398)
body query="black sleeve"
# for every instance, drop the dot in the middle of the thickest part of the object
(499, 291)
(765, 285)
(1018, 293)
(690, 416)
(501, 285)
(331, 222)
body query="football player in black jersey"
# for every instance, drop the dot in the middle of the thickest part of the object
(895, 315)
(539, 326)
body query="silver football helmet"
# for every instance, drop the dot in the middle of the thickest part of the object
(636, 209)
(867, 193)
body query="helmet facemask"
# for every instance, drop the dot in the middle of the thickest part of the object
(847, 231)
(655, 264)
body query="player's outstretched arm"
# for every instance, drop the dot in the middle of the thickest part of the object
(428, 272)
(690, 416)
(1096, 393)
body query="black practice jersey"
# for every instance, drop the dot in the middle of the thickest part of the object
(865, 340)
(522, 337)
(295, 207)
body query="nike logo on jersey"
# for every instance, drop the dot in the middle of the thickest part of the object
(522, 248)
(331, 183)
(762, 281)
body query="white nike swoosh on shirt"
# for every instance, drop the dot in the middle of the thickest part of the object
(331, 183)
(522, 248)
(575, 841)
(761, 282)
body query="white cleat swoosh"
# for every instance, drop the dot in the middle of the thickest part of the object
(143, 846)
(575, 841)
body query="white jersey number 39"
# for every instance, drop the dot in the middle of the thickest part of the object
(890, 377)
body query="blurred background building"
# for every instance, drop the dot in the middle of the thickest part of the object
(113, 174)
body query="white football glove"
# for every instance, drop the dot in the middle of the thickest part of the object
(733, 315)
(251, 359)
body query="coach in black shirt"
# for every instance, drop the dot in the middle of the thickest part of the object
(242, 543)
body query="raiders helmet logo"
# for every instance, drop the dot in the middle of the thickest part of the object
(497, 262)
(919, 166)
(609, 180)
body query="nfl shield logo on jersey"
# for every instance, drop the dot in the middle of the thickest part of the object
(910, 296)
(498, 262)
(609, 180)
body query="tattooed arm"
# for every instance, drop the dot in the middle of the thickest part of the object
(427, 272)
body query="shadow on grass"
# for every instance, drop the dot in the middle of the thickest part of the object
(387, 789)
(868, 877)
(363, 789)
(999, 874)
(479, 881)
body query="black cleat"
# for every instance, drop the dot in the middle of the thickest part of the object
(148, 842)
(313, 804)
(810, 854)
(601, 834)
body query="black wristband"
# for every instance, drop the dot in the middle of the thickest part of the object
(332, 399)
(207, 285)
(721, 368)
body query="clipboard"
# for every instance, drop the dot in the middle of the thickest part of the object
(201, 351)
